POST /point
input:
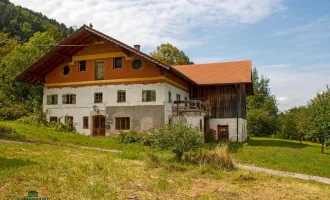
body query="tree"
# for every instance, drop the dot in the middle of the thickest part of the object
(170, 55)
(262, 110)
(13, 94)
(319, 109)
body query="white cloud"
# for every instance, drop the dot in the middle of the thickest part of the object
(281, 98)
(151, 22)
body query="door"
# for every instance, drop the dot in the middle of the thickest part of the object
(99, 70)
(223, 133)
(99, 125)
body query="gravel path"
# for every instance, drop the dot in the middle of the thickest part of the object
(284, 174)
(74, 146)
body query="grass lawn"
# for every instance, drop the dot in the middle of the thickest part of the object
(286, 155)
(65, 172)
(59, 172)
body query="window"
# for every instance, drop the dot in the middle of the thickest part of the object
(85, 122)
(121, 96)
(53, 119)
(82, 66)
(117, 62)
(137, 64)
(52, 99)
(99, 70)
(178, 97)
(122, 123)
(65, 70)
(98, 97)
(148, 95)
(169, 97)
(69, 99)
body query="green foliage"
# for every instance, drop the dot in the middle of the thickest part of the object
(22, 22)
(218, 158)
(7, 132)
(262, 108)
(319, 111)
(133, 136)
(14, 59)
(178, 137)
(170, 55)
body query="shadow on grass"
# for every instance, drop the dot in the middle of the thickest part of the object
(276, 143)
(6, 164)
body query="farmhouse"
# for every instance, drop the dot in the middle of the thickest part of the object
(105, 86)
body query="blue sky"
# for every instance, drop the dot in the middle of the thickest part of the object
(287, 40)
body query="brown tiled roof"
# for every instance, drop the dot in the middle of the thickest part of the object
(218, 73)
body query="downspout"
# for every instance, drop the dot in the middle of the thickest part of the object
(236, 112)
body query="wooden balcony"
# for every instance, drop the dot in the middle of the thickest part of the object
(180, 107)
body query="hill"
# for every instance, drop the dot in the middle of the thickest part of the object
(22, 22)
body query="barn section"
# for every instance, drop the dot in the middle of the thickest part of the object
(224, 86)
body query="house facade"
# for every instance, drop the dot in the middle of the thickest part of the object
(104, 86)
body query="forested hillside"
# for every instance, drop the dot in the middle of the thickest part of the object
(25, 36)
(22, 22)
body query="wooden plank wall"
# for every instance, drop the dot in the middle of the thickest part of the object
(224, 99)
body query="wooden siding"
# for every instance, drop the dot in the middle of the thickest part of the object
(224, 99)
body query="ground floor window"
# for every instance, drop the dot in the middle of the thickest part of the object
(53, 119)
(68, 119)
(122, 123)
(85, 122)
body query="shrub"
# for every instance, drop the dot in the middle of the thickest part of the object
(179, 138)
(11, 112)
(7, 132)
(134, 137)
(67, 127)
(218, 158)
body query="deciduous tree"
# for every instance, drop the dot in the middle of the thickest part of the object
(170, 55)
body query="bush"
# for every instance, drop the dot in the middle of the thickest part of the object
(12, 112)
(7, 132)
(218, 158)
(134, 137)
(179, 138)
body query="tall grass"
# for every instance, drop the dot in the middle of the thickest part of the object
(219, 158)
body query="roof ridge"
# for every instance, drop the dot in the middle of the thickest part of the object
(215, 63)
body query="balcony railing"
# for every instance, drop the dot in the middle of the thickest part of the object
(191, 106)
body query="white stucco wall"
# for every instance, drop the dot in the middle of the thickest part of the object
(174, 91)
(85, 101)
(194, 119)
(232, 126)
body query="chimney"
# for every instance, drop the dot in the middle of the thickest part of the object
(90, 25)
(137, 47)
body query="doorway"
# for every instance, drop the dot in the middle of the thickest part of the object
(99, 125)
(223, 133)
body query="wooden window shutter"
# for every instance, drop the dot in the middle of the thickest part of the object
(49, 99)
(55, 100)
(63, 99)
(153, 95)
(144, 96)
(73, 99)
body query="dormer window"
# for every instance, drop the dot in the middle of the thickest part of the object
(137, 64)
(117, 63)
(82, 66)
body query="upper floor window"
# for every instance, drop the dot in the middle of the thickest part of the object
(98, 97)
(121, 96)
(52, 99)
(169, 97)
(178, 97)
(117, 63)
(148, 95)
(82, 66)
(99, 70)
(137, 64)
(69, 99)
